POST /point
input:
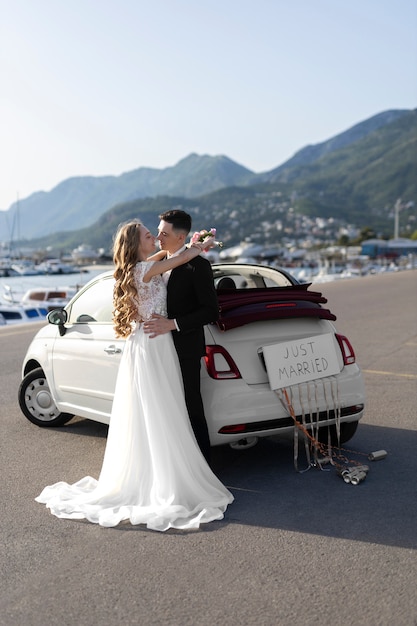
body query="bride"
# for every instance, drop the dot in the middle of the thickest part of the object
(153, 472)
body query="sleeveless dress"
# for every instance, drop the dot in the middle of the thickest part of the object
(153, 472)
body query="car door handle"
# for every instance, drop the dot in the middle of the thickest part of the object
(112, 350)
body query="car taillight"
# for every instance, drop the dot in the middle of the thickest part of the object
(233, 429)
(220, 364)
(348, 352)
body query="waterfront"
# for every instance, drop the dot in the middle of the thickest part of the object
(20, 284)
(322, 274)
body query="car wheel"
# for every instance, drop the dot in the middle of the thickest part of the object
(347, 430)
(37, 403)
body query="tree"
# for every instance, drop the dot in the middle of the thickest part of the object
(365, 233)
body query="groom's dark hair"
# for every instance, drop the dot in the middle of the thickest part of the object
(180, 220)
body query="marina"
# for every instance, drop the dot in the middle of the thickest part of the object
(17, 307)
(26, 298)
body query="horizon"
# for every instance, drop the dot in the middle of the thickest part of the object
(146, 86)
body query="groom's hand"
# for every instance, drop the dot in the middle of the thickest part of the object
(158, 325)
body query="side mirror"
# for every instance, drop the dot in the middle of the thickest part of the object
(58, 317)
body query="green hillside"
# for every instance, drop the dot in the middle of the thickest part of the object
(362, 181)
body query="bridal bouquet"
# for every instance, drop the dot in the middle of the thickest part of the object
(201, 236)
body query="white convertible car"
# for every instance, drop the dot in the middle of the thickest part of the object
(273, 358)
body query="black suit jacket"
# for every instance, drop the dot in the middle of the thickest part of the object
(192, 301)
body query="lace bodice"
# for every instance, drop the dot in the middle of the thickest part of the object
(152, 296)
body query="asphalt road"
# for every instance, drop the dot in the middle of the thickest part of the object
(294, 548)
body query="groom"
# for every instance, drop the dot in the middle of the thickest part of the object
(191, 303)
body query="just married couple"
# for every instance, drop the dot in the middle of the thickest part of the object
(156, 463)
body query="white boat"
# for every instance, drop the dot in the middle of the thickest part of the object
(7, 272)
(325, 277)
(327, 272)
(24, 268)
(55, 266)
(18, 313)
(6, 269)
(351, 272)
(43, 297)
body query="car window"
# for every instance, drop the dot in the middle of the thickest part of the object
(250, 277)
(94, 304)
(234, 279)
(277, 281)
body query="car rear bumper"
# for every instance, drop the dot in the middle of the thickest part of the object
(256, 410)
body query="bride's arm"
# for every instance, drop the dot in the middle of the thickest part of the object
(159, 267)
(158, 256)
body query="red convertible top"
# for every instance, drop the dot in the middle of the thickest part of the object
(244, 306)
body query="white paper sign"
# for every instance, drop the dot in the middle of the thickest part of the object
(292, 362)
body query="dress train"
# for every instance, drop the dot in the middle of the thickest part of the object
(153, 472)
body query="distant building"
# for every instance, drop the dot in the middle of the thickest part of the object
(392, 248)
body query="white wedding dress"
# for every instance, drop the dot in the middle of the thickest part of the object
(153, 472)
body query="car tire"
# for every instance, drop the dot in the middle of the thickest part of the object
(347, 430)
(37, 403)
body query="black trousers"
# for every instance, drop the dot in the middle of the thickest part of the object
(190, 369)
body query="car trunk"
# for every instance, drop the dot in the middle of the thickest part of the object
(245, 344)
(253, 318)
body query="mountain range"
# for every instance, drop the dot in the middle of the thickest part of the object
(356, 177)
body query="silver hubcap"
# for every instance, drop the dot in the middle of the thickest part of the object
(39, 401)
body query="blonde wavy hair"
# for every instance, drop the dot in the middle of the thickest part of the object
(125, 257)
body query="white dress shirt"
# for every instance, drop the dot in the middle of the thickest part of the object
(167, 274)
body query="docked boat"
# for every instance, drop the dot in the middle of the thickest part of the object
(25, 268)
(41, 297)
(56, 266)
(8, 272)
(11, 313)
(6, 269)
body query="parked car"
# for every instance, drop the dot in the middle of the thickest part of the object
(273, 337)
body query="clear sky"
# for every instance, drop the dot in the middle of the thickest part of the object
(101, 87)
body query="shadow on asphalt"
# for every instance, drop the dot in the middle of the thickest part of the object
(270, 493)
(83, 427)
